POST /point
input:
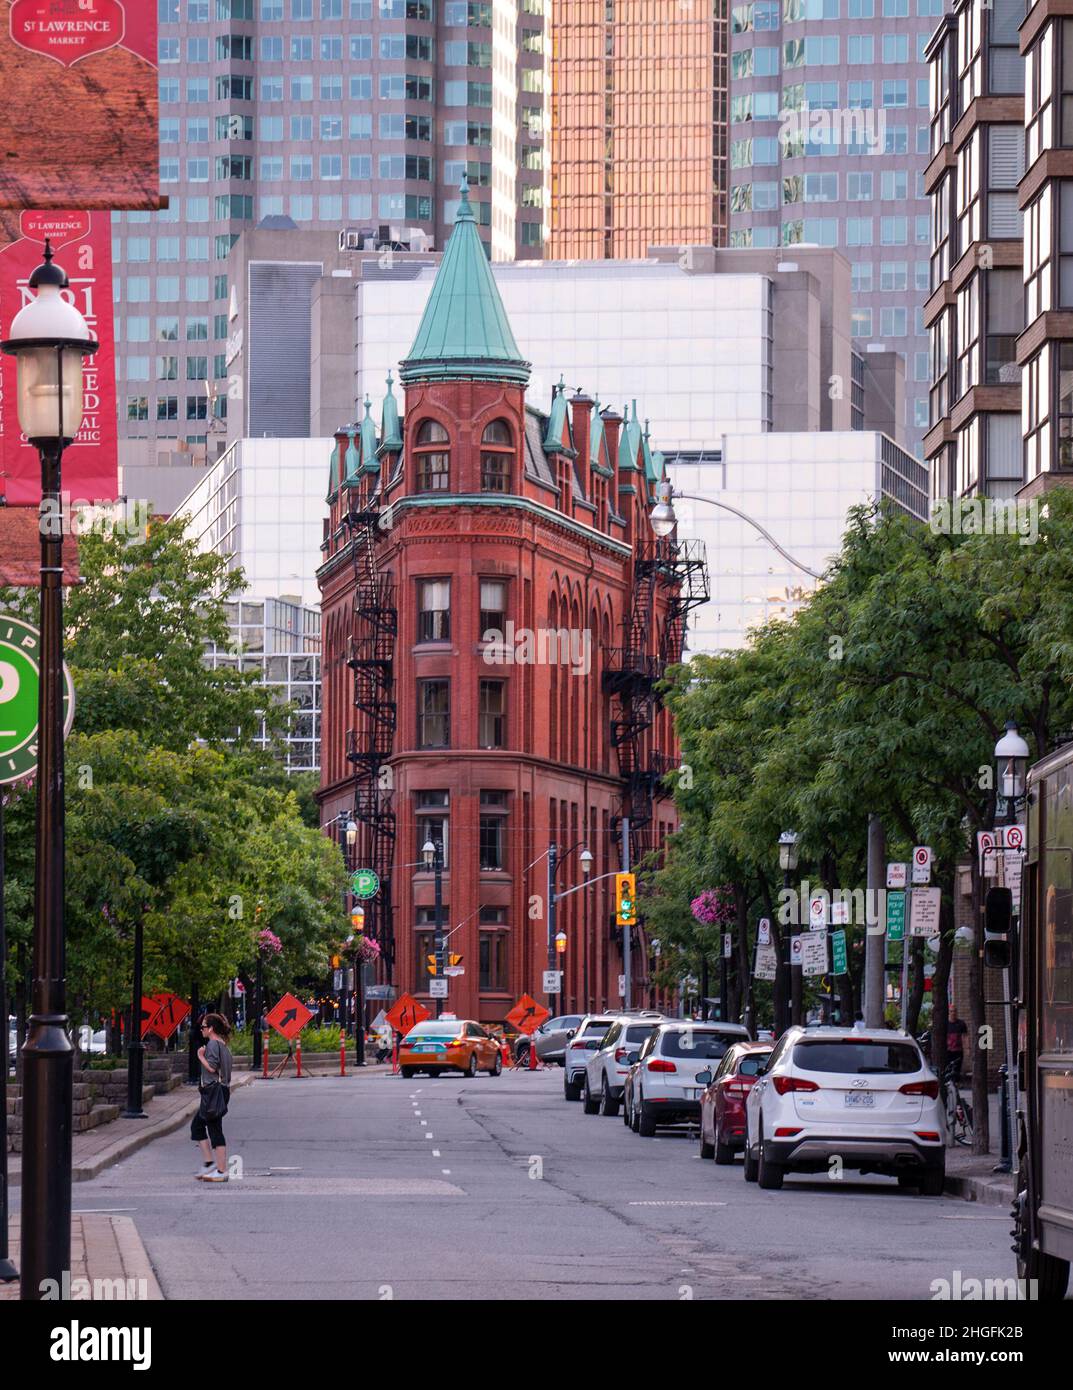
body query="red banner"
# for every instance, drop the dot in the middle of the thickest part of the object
(78, 120)
(82, 242)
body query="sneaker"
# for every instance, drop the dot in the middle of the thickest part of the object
(205, 1168)
(214, 1176)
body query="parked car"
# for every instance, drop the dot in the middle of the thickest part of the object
(871, 1101)
(580, 1046)
(552, 1036)
(722, 1102)
(664, 1086)
(440, 1045)
(606, 1068)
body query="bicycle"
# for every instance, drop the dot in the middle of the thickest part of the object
(958, 1109)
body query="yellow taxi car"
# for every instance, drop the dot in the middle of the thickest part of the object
(449, 1044)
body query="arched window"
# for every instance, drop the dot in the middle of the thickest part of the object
(433, 459)
(497, 445)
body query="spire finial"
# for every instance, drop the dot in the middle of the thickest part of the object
(48, 251)
(390, 379)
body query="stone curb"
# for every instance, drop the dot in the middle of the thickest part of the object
(996, 1191)
(135, 1257)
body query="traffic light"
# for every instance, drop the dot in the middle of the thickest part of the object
(625, 900)
(452, 959)
(998, 920)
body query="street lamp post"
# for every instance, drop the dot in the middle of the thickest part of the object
(432, 853)
(554, 860)
(1011, 756)
(789, 1007)
(359, 994)
(135, 1046)
(49, 338)
(663, 520)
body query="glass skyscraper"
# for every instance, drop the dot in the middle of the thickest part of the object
(339, 114)
(828, 145)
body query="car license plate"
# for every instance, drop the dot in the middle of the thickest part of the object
(860, 1098)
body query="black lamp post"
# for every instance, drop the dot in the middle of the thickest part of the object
(555, 859)
(135, 1046)
(49, 338)
(790, 988)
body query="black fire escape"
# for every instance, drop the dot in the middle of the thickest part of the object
(370, 654)
(632, 671)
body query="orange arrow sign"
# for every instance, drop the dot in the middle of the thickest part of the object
(527, 1015)
(405, 1013)
(289, 1017)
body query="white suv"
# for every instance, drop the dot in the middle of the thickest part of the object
(867, 1099)
(605, 1069)
(672, 1069)
(580, 1045)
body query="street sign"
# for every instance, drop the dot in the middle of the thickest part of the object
(380, 991)
(406, 1012)
(337, 980)
(838, 953)
(765, 962)
(814, 953)
(20, 655)
(796, 950)
(763, 932)
(238, 989)
(289, 1017)
(551, 981)
(171, 1012)
(1013, 837)
(840, 914)
(365, 884)
(728, 945)
(438, 989)
(150, 1009)
(985, 848)
(817, 912)
(896, 875)
(378, 1022)
(451, 971)
(527, 1015)
(924, 911)
(895, 916)
(922, 864)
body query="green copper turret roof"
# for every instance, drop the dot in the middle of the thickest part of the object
(650, 466)
(629, 440)
(369, 441)
(351, 459)
(596, 435)
(333, 472)
(555, 438)
(464, 332)
(390, 432)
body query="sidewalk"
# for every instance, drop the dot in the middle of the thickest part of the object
(972, 1176)
(104, 1249)
(99, 1148)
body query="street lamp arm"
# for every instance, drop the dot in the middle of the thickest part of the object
(726, 506)
(587, 884)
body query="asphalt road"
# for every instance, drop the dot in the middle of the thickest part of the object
(375, 1187)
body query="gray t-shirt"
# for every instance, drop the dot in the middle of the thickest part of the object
(218, 1056)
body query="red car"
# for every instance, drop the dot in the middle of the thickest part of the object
(722, 1102)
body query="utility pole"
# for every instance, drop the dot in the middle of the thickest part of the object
(553, 857)
(875, 932)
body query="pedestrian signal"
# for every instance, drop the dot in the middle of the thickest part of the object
(625, 900)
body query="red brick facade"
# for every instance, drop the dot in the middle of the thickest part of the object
(560, 537)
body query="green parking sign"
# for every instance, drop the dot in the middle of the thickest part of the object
(365, 884)
(838, 953)
(20, 684)
(895, 916)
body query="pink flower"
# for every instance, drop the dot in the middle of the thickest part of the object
(715, 907)
(269, 941)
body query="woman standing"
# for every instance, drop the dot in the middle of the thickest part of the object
(206, 1128)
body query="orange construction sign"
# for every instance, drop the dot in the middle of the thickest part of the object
(289, 1017)
(170, 1014)
(405, 1013)
(527, 1015)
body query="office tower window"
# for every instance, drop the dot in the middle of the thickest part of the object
(862, 323)
(893, 275)
(138, 406)
(860, 276)
(858, 187)
(432, 824)
(892, 322)
(894, 185)
(859, 231)
(896, 48)
(859, 96)
(860, 48)
(895, 92)
(167, 368)
(493, 830)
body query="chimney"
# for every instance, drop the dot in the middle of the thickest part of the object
(580, 422)
(612, 425)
